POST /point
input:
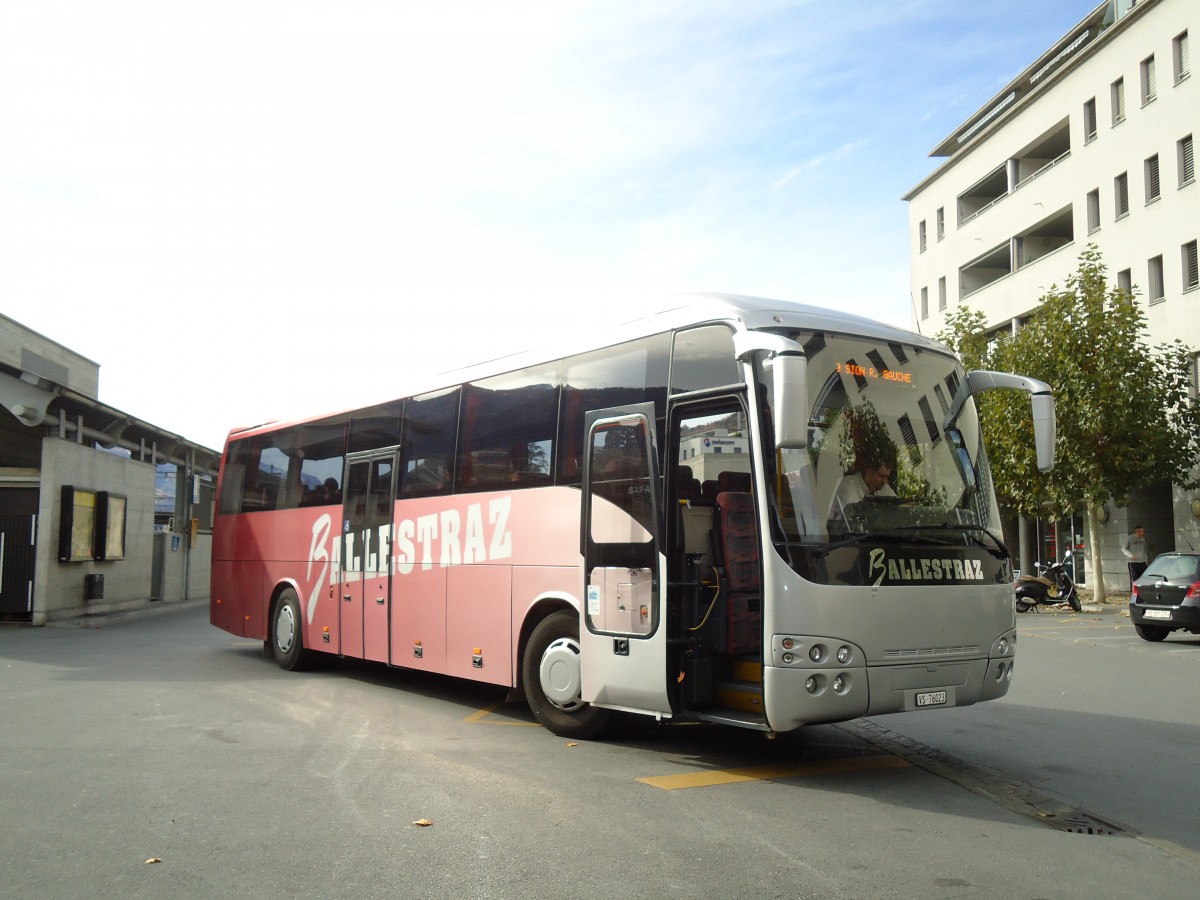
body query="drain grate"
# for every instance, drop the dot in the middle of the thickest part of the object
(1080, 823)
(1014, 796)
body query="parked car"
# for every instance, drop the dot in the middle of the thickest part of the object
(1167, 596)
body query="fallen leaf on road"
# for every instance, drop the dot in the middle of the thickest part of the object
(424, 823)
(153, 859)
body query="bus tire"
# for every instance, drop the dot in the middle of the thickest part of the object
(551, 675)
(287, 633)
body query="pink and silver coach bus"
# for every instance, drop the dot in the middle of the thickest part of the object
(740, 511)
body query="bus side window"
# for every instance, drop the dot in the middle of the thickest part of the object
(262, 464)
(430, 427)
(703, 358)
(507, 430)
(628, 374)
(321, 450)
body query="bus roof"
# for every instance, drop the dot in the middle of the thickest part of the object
(679, 311)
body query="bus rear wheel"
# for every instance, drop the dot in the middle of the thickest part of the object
(287, 633)
(552, 675)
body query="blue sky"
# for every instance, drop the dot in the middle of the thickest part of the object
(252, 209)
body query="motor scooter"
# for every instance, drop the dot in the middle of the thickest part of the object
(1052, 586)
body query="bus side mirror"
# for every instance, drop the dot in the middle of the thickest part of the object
(789, 372)
(1045, 428)
(784, 359)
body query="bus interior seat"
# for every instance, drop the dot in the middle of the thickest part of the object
(695, 520)
(687, 485)
(736, 532)
(733, 482)
(708, 492)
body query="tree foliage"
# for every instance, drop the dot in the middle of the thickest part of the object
(1126, 417)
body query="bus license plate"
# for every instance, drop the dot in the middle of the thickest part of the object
(1156, 614)
(931, 698)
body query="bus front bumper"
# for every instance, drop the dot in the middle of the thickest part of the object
(796, 696)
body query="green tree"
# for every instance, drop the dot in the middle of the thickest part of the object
(1126, 417)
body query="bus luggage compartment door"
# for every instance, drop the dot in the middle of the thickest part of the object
(619, 599)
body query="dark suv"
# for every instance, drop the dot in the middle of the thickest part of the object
(1167, 596)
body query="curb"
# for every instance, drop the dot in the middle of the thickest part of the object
(147, 610)
(1106, 608)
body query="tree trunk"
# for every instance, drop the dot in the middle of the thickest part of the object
(1096, 576)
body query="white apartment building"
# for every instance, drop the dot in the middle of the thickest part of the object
(1091, 143)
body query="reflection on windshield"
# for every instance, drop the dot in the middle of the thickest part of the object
(882, 461)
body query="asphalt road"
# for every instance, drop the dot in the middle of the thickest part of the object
(166, 739)
(1102, 720)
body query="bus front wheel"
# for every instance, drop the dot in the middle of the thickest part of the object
(551, 674)
(287, 633)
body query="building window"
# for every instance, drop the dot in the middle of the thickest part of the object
(1152, 183)
(1089, 120)
(1125, 281)
(941, 223)
(921, 236)
(1121, 194)
(1118, 101)
(1154, 273)
(1093, 210)
(942, 283)
(1179, 57)
(1148, 88)
(924, 303)
(1191, 274)
(1187, 162)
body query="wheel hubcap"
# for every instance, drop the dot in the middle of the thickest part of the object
(559, 674)
(285, 629)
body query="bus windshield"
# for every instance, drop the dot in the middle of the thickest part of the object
(883, 466)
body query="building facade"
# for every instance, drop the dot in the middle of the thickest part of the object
(79, 530)
(1091, 144)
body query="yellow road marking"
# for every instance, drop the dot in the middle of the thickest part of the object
(481, 718)
(766, 773)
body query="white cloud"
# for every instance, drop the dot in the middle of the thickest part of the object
(243, 208)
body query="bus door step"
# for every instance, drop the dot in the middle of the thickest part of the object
(741, 695)
(747, 669)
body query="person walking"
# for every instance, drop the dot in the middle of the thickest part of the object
(1135, 550)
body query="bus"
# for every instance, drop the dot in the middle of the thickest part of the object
(655, 522)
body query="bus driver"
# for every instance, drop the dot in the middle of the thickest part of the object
(868, 479)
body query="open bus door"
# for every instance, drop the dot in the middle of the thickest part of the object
(365, 589)
(623, 633)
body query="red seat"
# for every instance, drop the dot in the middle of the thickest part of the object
(733, 482)
(738, 548)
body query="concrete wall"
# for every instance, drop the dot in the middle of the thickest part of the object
(83, 375)
(59, 586)
(178, 559)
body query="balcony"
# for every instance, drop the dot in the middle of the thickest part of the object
(1034, 160)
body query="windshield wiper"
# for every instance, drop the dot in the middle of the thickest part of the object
(1000, 550)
